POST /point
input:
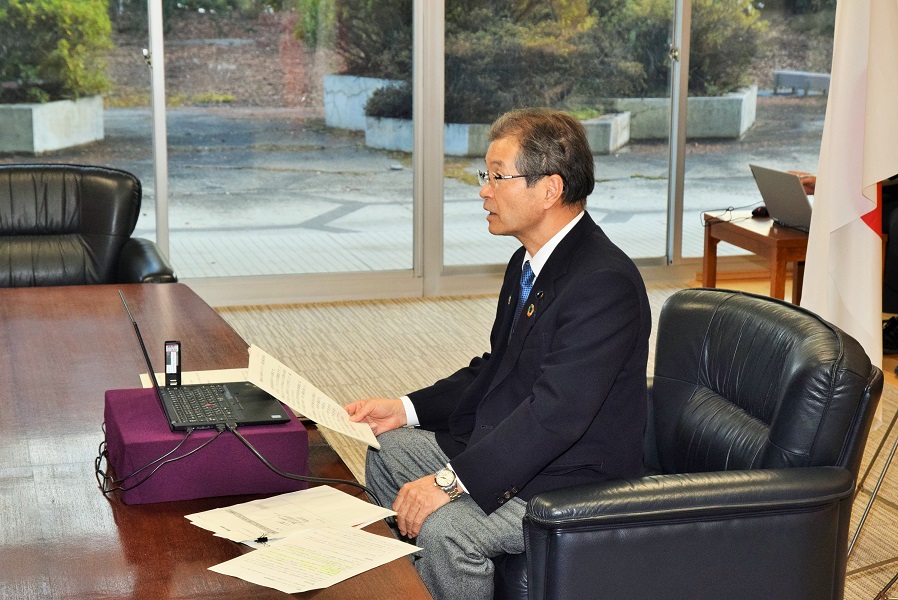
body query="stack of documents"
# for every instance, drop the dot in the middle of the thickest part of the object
(306, 540)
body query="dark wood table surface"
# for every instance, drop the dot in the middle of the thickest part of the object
(780, 245)
(60, 350)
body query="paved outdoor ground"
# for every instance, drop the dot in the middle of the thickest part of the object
(274, 191)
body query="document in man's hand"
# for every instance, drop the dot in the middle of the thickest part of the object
(287, 386)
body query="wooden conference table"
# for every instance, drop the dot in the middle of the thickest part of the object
(60, 350)
(780, 245)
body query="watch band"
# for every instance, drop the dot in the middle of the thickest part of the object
(453, 491)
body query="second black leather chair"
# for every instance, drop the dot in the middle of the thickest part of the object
(72, 225)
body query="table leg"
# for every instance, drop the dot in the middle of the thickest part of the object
(797, 282)
(777, 277)
(709, 261)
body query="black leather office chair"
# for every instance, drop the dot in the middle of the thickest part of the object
(72, 225)
(759, 412)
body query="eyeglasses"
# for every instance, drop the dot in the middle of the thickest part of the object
(493, 178)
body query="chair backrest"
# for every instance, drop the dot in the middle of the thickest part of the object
(64, 224)
(749, 382)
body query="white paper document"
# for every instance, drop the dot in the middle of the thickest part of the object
(315, 558)
(275, 517)
(287, 386)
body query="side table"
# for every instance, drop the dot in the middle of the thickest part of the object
(780, 245)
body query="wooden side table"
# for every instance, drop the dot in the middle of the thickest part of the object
(780, 245)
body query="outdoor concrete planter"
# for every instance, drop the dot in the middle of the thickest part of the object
(397, 134)
(345, 97)
(606, 134)
(38, 128)
(727, 116)
(388, 134)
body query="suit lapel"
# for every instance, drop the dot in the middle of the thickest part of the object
(541, 297)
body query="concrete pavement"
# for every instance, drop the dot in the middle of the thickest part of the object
(273, 192)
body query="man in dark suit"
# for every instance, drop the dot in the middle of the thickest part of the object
(560, 399)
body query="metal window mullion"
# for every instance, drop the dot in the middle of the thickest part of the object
(428, 85)
(160, 139)
(679, 95)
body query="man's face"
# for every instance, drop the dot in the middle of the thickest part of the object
(514, 209)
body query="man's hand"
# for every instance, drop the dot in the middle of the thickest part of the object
(415, 502)
(381, 414)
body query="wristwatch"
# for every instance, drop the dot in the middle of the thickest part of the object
(445, 480)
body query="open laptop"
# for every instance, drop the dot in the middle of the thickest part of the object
(785, 198)
(209, 406)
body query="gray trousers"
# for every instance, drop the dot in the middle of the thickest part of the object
(459, 539)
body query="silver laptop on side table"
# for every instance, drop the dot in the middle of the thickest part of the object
(785, 198)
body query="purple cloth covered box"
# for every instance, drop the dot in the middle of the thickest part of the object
(137, 433)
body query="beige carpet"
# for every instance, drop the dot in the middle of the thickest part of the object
(353, 350)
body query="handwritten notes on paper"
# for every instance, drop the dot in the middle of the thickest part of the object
(287, 386)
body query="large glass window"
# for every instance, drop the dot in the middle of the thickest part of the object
(758, 79)
(75, 87)
(589, 58)
(290, 123)
(270, 166)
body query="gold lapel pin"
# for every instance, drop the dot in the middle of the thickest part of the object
(530, 310)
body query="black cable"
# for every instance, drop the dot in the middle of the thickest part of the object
(723, 211)
(102, 452)
(106, 491)
(233, 429)
(104, 480)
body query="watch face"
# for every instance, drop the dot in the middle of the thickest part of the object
(444, 477)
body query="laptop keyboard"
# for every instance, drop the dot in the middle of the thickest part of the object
(202, 404)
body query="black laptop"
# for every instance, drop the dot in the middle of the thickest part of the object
(212, 406)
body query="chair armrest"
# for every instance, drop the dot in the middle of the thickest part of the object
(141, 261)
(688, 495)
(700, 535)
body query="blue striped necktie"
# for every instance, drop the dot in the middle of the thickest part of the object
(527, 278)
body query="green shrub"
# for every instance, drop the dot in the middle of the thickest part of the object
(505, 54)
(374, 38)
(608, 65)
(53, 49)
(477, 91)
(725, 39)
(391, 102)
(488, 75)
